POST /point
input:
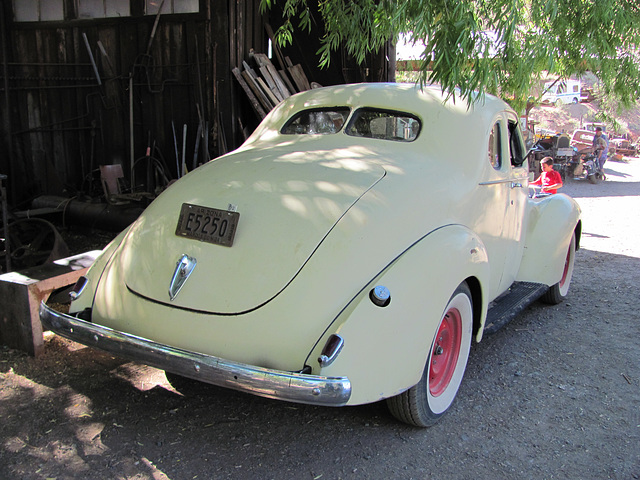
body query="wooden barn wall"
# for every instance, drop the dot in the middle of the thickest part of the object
(65, 120)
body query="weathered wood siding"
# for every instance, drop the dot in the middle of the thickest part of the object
(63, 118)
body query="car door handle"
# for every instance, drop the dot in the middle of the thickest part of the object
(516, 185)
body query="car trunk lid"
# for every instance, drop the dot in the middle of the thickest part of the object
(287, 204)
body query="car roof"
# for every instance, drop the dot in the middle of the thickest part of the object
(395, 96)
(442, 115)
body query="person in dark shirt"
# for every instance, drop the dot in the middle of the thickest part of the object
(600, 147)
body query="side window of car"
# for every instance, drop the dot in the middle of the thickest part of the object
(316, 121)
(495, 146)
(384, 124)
(516, 144)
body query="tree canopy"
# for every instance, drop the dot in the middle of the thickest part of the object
(486, 46)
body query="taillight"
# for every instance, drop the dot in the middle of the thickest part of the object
(78, 288)
(331, 350)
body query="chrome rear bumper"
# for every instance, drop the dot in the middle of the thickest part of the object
(292, 387)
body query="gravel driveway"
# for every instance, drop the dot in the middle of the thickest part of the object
(554, 395)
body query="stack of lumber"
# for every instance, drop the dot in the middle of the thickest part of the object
(265, 86)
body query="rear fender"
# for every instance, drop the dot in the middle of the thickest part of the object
(385, 348)
(551, 223)
(94, 273)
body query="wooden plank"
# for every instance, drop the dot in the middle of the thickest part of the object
(255, 103)
(279, 83)
(269, 93)
(258, 58)
(299, 77)
(253, 85)
(266, 75)
(17, 329)
(249, 70)
(263, 61)
(22, 292)
(287, 81)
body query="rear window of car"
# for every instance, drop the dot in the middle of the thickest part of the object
(384, 124)
(317, 121)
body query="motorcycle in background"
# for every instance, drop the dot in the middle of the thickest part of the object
(586, 167)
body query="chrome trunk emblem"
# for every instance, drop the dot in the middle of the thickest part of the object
(184, 268)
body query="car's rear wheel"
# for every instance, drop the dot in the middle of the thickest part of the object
(558, 292)
(424, 403)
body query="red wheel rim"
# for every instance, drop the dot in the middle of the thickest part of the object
(567, 263)
(446, 350)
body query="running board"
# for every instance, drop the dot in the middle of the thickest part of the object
(505, 308)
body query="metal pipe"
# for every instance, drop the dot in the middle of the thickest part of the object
(96, 215)
(175, 147)
(155, 25)
(106, 56)
(93, 60)
(184, 150)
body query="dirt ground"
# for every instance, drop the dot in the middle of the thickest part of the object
(554, 395)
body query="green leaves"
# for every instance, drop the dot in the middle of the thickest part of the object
(486, 46)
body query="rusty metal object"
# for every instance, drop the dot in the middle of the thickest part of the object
(33, 242)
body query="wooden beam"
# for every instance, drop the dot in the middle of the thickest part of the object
(287, 81)
(271, 84)
(299, 77)
(275, 100)
(255, 103)
(22, 292)
(262, 96)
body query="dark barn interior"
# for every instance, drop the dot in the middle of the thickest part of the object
(94, 83)
(106, 102)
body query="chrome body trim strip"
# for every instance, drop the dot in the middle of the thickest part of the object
(504, 180)
(280, 385)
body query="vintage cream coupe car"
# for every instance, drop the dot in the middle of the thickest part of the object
(348, 252)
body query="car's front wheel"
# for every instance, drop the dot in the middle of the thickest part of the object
(424, 403)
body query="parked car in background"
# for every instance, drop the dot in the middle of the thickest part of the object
(622, 147)
(348, 252)
(582, 139)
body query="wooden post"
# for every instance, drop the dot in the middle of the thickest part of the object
(22, 292)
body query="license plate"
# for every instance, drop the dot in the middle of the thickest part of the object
(207, 224)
